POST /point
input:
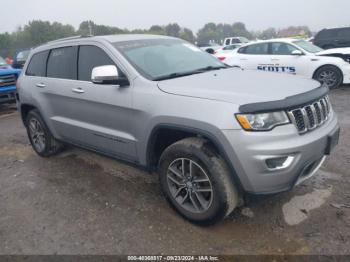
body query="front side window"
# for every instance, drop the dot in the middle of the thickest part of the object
(344, 32)
(62, 63)
(37, 64)
(159, 59)
(307, 46)
(256, 49)
(282, 49)
(324, 34)
(89, 58)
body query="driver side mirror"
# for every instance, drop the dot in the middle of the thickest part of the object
(108, 75)
(297, 53)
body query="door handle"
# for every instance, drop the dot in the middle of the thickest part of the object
(78, 90)
(40, 85)
(275, 59)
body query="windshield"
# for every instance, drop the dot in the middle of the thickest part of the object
(244, 40)
(160, 59)
(2, 61)
(307, 46)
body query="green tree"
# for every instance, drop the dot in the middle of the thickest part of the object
(208, 33)
(87, 26)
(6, 42)
(157, 30)
(173, 30)
(239, 29)
(187, 35)
(268, 34)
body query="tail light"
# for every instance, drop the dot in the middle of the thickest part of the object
(221, 58)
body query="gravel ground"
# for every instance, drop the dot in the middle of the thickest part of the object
(83, 203)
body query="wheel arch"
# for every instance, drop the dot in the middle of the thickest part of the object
(25, 109)
(333, 65)
(152, 156)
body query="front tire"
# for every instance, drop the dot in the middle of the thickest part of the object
(196, 181)
(41, 139)
(329, 75)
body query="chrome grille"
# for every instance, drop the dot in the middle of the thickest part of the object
(311, 116)
(7, 80)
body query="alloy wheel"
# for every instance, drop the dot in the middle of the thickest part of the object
(37, 134)
(328, 77)
(190, 185)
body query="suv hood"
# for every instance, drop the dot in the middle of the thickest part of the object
(238, 87)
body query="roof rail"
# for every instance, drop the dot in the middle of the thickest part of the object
(69, 38)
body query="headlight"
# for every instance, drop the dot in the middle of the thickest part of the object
(262, 122)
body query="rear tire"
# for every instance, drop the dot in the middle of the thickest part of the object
(197, 182)
(41, 139)
(210, 51)
(329, 75)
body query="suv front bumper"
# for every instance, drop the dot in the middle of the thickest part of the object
(346, 74)
(305, 153)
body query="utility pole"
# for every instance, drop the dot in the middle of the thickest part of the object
(90, 28)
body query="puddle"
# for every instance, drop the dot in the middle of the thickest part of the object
(299, 207)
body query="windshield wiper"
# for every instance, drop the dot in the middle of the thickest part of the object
(182, 74)
(209, 68)
(173, 75)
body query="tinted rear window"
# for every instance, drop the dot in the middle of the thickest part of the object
(257, 49)
(327, 33)
(62, 63)
(90, 57)
(37, 65)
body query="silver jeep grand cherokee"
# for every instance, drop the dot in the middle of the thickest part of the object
(211, 131)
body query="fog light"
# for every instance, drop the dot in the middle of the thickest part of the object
(279, 163)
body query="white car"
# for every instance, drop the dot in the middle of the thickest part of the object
(292, 56)
(222, 53)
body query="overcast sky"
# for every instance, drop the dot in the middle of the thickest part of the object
(131, 14)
